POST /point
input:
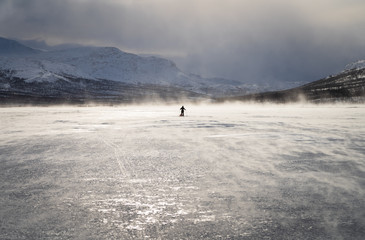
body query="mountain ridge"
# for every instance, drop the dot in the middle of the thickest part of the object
(12, 47)
(104, 73)
(110, 63)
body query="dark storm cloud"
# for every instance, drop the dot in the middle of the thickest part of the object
(245, 40)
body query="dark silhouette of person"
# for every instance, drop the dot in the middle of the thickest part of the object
(182, 111)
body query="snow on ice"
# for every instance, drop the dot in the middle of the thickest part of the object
(220, 172)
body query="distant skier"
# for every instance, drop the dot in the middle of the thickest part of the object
(182, 111)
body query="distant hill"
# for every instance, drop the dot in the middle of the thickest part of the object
(28, 72)
(109, 75)
(11, 47)
(348, 86)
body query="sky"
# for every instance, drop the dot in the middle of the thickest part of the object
(245, 40)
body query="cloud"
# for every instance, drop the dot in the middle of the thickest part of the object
(240, 39)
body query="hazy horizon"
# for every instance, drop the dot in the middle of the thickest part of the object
(249, 41)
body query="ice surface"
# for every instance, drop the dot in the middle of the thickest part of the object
(221, 172)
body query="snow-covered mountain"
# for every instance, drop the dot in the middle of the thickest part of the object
(98, 73)
(358, 65)
(11, 47)
(106, 63)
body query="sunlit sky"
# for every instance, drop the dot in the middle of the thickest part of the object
(261, 40)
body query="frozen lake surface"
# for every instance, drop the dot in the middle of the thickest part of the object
(221, 172)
